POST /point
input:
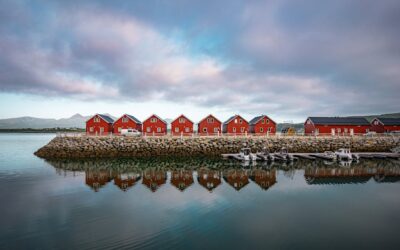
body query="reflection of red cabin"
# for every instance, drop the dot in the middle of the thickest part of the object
(385, 125)
(237, 178)
(154, 125)
(153, 179)
(337, 175)
(126, 180)
(236, 125)
(336, 126)
(262, 125)
(182, 179)
(209, 179)
(97, 179)
(265, 179)
(99, 125)
(209, 126)
(127, 122)
(182, 126)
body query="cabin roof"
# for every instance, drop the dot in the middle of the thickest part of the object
(258, 118)
(210, 115)
(339, 120)
(390, 121)
(232, 118)
(156, 117)
(182, 115)
(106, 118)
(134, 119)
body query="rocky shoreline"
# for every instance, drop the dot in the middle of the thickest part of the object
(113, 147)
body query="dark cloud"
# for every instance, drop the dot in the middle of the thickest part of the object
(293, 58)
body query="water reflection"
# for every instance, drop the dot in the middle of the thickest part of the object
(210, 173)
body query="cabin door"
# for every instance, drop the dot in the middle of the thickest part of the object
(351, 131)
(332, 131)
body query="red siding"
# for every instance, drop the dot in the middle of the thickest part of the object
(155, 127)
(261, 128)
(125, 125)
(98, 128)
(377, 126)
(181, 126)
(311, 129)
(236, 127)
(209, 126)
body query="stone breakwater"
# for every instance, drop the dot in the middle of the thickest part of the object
(109, 147)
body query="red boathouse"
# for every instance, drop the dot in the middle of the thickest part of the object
(262, 125)
(336, 126)
(99, 125)
(154, 125)
(385, 125)
(236, 125)
(127, 122)
(209, 126)
(182, 126)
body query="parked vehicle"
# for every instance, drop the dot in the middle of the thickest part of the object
(130, 132)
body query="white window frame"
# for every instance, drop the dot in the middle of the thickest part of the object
(242, 129)
(153, 120)
(96, 119)
(124, 119)
(205, 130)
(182, 120)
(148, 129)
(234, 130)
(158, 130)
(216, 130)
(187, 130)
(176, 129)
(261, 130)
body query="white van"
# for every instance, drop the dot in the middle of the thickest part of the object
(130, 132)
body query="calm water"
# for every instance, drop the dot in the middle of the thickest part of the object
(194, 203)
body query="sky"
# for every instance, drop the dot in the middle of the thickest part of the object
(285, 59)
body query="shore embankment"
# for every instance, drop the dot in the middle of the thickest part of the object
(118, 146)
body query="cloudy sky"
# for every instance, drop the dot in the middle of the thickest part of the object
(287, 59)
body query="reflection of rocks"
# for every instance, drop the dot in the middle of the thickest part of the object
(154, 178)
(237, 178)
(126, 180)
(209, 179)
(182, 179)
(110, 147)
(265, 179)
(97, 179)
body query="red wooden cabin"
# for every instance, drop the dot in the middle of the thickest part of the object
(99, 125)
(236, 125)
(182, 179)
(385, 125)
(209, 179)
(209, 126)
(154, 125)
(182, 126)
(153, 179)
(127, 122)
(336, 126)
(237, 178)
(262, 125)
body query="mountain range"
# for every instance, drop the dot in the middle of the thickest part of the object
(78, 121)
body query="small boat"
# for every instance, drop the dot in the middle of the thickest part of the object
(284, 155)
(330, 155)
(246, 155)
(344, 154)
(266, 155)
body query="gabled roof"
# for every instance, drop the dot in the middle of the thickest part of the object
(339, 120)
(209, 116)
(132, 118)
(232, 118)
(157, 117)
(106, 118)
(184, 117)
(389, 121)
(256, 119)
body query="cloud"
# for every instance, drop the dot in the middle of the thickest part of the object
(279, 57)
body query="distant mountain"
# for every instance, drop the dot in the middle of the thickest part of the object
(75, 121)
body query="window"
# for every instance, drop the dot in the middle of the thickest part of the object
(148, 129)
(339, 130)
(308, 122)
(91, 129)
(236, 120)
(269, 129)
(242, 129)
(124, 120)
(210, 120)
(153, 120)
(261, 129)
(345, 130)
(96, 119)
(205, 130)
(216, 130)
(119, 129)
(240, 121)
(234, 130)
(158, 130)
(182, 120)
(176, 129)
(186, 130)
(267, 121)
(101, 130)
